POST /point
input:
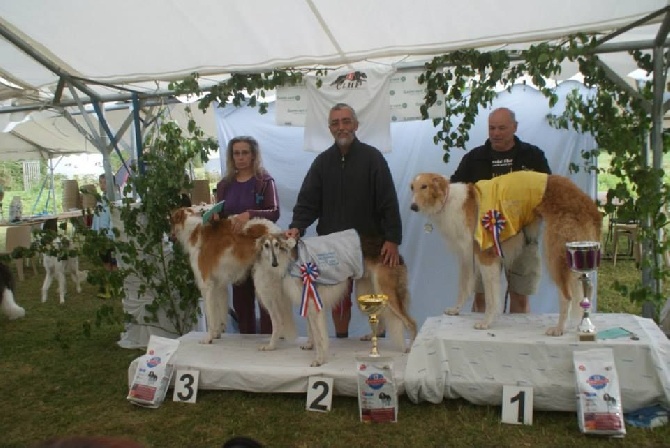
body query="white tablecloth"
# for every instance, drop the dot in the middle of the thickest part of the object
(450, 359)
(235, 363)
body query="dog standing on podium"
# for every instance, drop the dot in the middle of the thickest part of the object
(7, 287)
(219, 257)
(280, 275)
(484, 225)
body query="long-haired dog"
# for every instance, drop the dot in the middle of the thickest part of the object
(276, 254)
(58, 266)
(218, 257)
(269, 291)
(568, 215)
(7, 287)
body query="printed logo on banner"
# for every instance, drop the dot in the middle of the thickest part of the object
(351, 80)
(364, 89)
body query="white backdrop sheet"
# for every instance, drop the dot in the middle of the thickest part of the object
(433, 270)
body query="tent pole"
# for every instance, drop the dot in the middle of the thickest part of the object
(49, 178)
(39, 195)
(137, 133)
(656, 147)
(104, 128)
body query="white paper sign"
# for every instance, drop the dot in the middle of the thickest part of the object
(517, 405)
(319, 394)
(186, 386)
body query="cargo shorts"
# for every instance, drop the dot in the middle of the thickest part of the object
(523, 277)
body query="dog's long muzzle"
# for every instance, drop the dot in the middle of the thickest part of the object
(274, 258)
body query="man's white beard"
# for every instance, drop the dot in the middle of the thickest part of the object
(344, 141)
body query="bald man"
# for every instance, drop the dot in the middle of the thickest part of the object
(502, 153)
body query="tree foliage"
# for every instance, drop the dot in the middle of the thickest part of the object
(146, 258)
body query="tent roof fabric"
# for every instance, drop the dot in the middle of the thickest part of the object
(168, 39)
(114, 47)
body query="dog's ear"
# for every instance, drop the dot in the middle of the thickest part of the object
(291, 242)
(441, 183)
(178, 216)
(259, 244)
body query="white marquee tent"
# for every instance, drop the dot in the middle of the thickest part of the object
(74, 52)
(57, 58)
(137, 43)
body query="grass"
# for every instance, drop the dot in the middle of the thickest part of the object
(57, 382)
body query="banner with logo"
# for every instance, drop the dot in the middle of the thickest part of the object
(291, 106)
(366, 90)
(406, 96)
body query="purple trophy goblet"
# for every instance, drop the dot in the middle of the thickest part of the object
(584, 258)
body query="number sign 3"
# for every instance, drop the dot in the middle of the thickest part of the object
(186, 386)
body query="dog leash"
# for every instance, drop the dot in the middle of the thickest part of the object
(506, 293)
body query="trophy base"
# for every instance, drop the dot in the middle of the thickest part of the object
(587, 337)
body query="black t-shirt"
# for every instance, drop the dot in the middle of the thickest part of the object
(502, 161)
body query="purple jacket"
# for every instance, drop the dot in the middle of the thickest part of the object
(265, 197)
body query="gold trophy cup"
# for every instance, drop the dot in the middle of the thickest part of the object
(372, 305)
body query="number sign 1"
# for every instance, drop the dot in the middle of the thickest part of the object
(319, 394)
(186, 386)
(517, 405)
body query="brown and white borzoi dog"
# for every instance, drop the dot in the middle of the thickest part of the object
(276, 255)
(219, 257)
(568, 214)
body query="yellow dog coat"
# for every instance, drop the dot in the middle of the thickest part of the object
(506, 205)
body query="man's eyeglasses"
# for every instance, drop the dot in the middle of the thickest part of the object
(344, 122)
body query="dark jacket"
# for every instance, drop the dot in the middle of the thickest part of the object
(476, 164)
(265, 192)
(352, 191)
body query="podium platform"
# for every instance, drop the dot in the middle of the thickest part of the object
(450, 359)
(235, 363)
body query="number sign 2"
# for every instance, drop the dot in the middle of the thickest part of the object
(186, 386)
(517, 405)
(319, 394)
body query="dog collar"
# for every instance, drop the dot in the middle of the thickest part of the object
(428, 227)
(444, 203)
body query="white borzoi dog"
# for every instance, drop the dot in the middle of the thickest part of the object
(58, 268)
(276, 256)
(7, 288)
(569, 215)
(218, 257)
